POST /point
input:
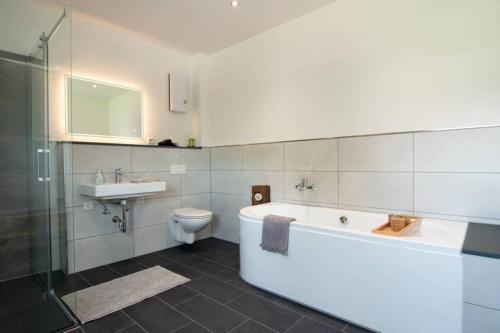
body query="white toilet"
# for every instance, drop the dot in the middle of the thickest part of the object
(184, 223)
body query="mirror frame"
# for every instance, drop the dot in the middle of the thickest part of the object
(68, 108)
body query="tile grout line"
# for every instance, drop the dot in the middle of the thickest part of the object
(237, 326)
(294, 324)
(182, 313)
(338, 173)
(126, 314)
(124, 328)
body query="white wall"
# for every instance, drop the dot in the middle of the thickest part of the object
(360, 67)
(104, 52)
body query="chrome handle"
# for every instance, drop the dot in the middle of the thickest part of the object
(38, 152)
(47, 151)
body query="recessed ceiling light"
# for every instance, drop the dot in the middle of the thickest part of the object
(235, 3)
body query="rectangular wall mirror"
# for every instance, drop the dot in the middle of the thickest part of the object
(101, 109)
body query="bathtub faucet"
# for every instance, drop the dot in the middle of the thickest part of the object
(304, 185)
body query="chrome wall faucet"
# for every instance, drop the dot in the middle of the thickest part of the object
(304, 185)
(118, 175)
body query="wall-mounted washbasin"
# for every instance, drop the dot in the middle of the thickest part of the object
(121, 190)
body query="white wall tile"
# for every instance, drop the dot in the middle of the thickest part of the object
(377, 190)
(480, 320)
(326, 184)
(89, 223)
(376, 153)
(226, 228)
(312, 155)
(271, 178)
(196, 159)
(473, 150)
(227, 158)
(465, 194)
(67, 159)
(154, 211)
(89, 158)
(102, 250)
(481, 282)
(227, 181)
(201, 201)
(263, 157)
(227, 204)
(154, 159)
(70, 225)
(195, 182)
(71, 268)
(151, 239)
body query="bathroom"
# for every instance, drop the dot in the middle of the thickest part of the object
(148, 144)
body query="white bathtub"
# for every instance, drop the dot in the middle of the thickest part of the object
(407, 284)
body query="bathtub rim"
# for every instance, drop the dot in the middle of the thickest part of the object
(417, 243)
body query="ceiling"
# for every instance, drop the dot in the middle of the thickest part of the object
(197, 26)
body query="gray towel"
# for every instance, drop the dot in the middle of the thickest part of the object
(275, 231)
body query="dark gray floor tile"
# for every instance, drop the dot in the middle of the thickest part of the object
(155, 316)
(215, 289)
(133, 329)
(176, 295)
(150, 260)
(182, 256)
(72, 283)
(9, 324)
(193, 248)
(44, 317)
(217, 271)
(181, 269)
(251, 326)
(267, 313)
(24, 292)
(219, 257)
(306, 325)
(239, 283)
(311, 313)
(192, 328)
(236, 266)
(99, 275)
(211, 314)
(356, 329)
(110, 323)
(220, 245)
(127, 267)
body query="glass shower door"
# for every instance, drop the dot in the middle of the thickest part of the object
(40, 154)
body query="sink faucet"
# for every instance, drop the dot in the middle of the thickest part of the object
(118, 175)
(304, 185)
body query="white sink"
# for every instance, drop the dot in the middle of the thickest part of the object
(121, 190)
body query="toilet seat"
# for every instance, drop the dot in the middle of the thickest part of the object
(192, 213)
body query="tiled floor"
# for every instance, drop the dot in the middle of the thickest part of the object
(25, 307)
(215, 300)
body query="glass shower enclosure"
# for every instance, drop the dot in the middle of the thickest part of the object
(35, 55)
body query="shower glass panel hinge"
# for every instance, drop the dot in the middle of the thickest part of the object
(40, 151)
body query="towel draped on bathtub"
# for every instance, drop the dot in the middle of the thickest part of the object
(275, 233)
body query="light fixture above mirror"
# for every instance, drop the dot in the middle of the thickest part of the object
(103, 110)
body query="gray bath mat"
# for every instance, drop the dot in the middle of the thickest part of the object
(105, 298)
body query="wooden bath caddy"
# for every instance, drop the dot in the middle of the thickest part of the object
(385, 229)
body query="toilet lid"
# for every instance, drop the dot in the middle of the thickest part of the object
(192, 212)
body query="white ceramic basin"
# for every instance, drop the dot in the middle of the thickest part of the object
(121, 190)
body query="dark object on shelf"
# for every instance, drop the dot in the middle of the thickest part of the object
(261, 194)
(167, 142)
